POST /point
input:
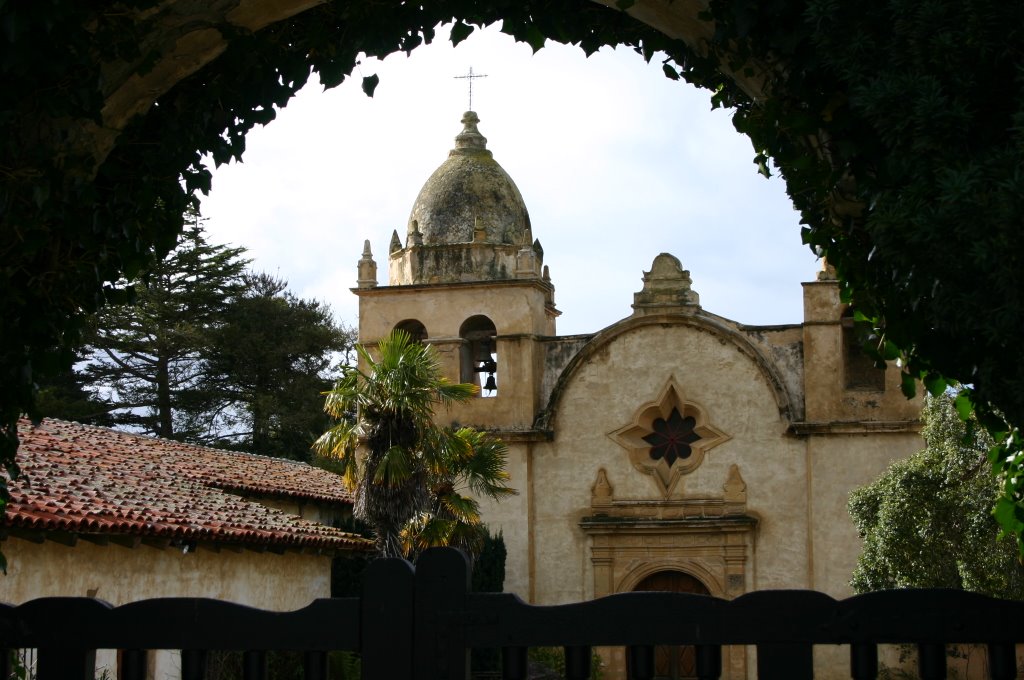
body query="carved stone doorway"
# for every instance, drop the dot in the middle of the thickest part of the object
(674, 662)
(704, 538)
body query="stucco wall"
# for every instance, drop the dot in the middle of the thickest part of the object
(839, 464)
(119, 575)
(605, 393)
(510, 516)
(797, 486)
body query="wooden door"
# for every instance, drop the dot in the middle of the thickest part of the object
(674, 662)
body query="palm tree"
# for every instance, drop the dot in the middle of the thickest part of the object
(410, 484)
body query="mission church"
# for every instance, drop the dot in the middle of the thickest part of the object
(674, 449)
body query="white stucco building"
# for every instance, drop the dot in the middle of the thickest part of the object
(673, 449)
(121, 517)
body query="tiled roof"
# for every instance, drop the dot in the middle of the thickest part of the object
(84, 480)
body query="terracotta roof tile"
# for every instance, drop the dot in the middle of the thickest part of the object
(91, 480)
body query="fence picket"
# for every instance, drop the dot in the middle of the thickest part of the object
(577, 662)
(931, 661)
(514, 663)
(254, 665)
(386, 620)
(442, 584)
(709, 662)
(863, 661)
(193, 664)
(1002, 661)
(133, 664)
(314, 665)
(641, 662)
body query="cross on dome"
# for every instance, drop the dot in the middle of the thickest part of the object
(470, 76)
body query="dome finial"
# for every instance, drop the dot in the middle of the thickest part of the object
(470, 140)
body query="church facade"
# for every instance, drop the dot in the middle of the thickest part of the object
(675, 449)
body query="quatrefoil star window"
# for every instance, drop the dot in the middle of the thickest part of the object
(668, 437)
(672, 437)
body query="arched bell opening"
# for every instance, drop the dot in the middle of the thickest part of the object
(416, 330)
(479, 354)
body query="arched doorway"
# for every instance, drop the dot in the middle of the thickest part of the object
(673, 662)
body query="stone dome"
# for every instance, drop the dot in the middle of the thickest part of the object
(470, 198)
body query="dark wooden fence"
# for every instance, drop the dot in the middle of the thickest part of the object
(420, 623)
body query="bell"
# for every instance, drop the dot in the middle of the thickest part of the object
(490, 385)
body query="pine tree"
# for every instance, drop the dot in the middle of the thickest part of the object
(147, 357)
(67, 396)
(271, 361)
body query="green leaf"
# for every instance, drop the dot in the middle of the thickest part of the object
(460, 31)
(535, 38)
(670, 72)
(761, 161)
(935, 384)
(908, 385)
(964, 405)
(890, 351)
(370, 84)
(1008, 514)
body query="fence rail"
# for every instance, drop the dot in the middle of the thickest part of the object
(420, 623)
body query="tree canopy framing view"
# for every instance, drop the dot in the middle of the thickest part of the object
(898, 127)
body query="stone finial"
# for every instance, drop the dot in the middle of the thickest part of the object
(367, 268)
(527, 265)
(538, 248)
(666, 288)
(470, 139)
(396, 243)
(547, 274)
(601, 491)
(827, 272)
(415, 235)
(735, 488)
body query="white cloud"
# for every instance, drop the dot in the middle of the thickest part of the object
(616, 164)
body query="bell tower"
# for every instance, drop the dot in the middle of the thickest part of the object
(469, 279)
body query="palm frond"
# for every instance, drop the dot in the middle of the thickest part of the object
(343, 399)
(340, 442)
(393, 468)
(449, 392)
(458, 507)
(484, 471)
(426, 531)
(444, 450)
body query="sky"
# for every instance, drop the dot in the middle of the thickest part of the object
(616, 163)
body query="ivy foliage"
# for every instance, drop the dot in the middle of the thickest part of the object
(74, 222)
(898, 126)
